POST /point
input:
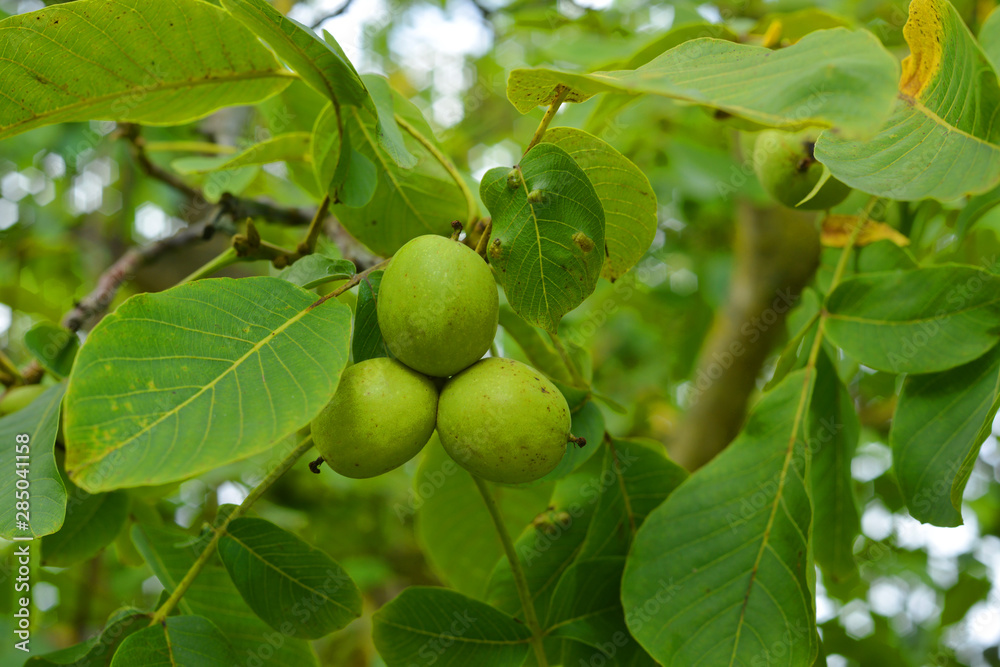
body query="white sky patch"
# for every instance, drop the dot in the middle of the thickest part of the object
(152, 223)
(6, 318)
(44, 595)
(8, 214)
(230, 493)
(876, 522)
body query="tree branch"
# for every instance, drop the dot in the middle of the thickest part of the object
(777, 253)
(95, 303)
(231, 205)
(331, 15)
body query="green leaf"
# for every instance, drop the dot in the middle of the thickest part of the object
(320, 65)
(98, 650)
(941, 140)
(833, 429)
(315, 270)
(636, 477)
(345, 174)
(92, 523)
(53, 346)
(426, 626)
(206, 373)
(368, 342)
(170, 553)
(286, 581)
(191, 641)
(406, 202)
(833, 78)
(547, 246)
(135, 61)
(40, 422)
(538, 350)
(977, 206)
(920, 321)
(454, 528)
(390, 137)
(587, 600)
(293, 146)
(940, 423)
(731, 547)
(989, 38)
(627, 197)
(549, 543)
(960, 598)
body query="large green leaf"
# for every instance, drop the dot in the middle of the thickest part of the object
(626, 195)
(179, 382)
(129, 60)
(637, 476)
(920, 321)
(287, 582)
(729, 550)
(833, 429)
(321, 65)
(547, 246)
(942, 138)
(367, 342)
(92, 523)
(426, 626)
(170, 553)
(405, 202)
(40, 423)
(191, 641)
(453, 525)
(940, 423)
(834, 78)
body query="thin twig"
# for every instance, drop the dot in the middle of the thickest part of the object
(520, 581)
(95, 303)
(331, 15)
(484, 239)
(235, 207)
(354, 280)
(315, 227)
(550, 113)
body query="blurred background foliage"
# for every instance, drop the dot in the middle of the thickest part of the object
(73, 199)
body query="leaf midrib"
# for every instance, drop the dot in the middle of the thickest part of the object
(778, 497)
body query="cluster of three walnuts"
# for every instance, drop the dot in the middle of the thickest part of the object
(498, 418)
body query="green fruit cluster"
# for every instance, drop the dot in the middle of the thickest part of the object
(498, 418)
(788, 170)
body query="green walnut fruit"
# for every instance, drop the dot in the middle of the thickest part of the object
(18, 398)
(381, 416)
(503, 421)
(438, 306)
(789, 171)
